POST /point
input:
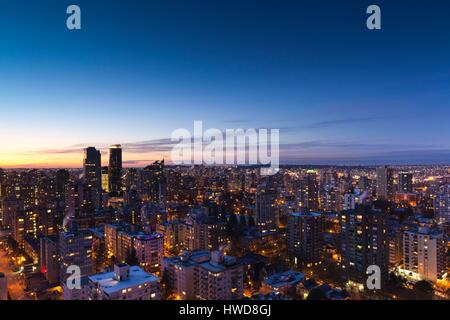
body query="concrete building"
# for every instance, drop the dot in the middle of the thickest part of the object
(75, 248)
(405, 182)
(442, 205)
(121, 240)
(307, 193)
(203, 232)
(424, 253)
(364, 242)
(124, 283)
(81, 293)
(204, 276)
(266, 219)
(92, 165)
(385, 183)
(304, 238)
(115, 169)
(150, 251)
(174, 237)
(49, 259)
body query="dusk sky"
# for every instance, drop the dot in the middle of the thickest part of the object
(338, 92)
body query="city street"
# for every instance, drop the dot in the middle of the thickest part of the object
(14, 286)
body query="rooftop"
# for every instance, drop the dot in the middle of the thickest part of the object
(108, 283)
(285, 278)
(306, 214)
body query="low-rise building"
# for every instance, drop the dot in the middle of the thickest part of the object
(124, 283)
(284, 283)
(205, 276)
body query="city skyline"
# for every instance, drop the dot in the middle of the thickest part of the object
(339, 93)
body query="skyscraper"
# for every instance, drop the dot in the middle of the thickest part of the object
(93, 174)
(115, 169)
(62, 177)
(307, 195)
(364, 242)
(442, 205)
(105, 179)
(405, 182)
(304, 237)
(265, 208)
(385, 183)
(153, 181)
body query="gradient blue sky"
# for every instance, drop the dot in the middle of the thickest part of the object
(140, 69)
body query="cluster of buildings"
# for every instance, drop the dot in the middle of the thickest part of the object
(181, 232)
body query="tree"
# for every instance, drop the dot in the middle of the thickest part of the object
(231, 224)
(316, 294)
(424, 290)
(165, 284)
(251, 221)
(132, 259)
(12, 243)
(100, 256)
(395, 281)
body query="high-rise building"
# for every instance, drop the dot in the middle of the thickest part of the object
(364, 242)
(9, 206)
(61, 179)
(149, 250)
(105, 179)
(307, 195)
(351, 200)
(118, 241)
(49, 259)
(385, 183)
(395, 235)
(304, 238)
(81, 203)
(266, 219)
(92, 175)
(424, 253)
(153, 181)
(32, 222)
(75, 248)
(330, 198)
(442, 205)
(204, 232)
(121, 240)
(174, 237)
(115, 169)
(205, 276)
(405, 182)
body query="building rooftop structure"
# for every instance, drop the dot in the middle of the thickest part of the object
(115, 281)
(306, 214)
(289, 277)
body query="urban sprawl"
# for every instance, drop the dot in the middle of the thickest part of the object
(223, 232)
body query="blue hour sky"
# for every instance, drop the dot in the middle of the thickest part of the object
(339, 93)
